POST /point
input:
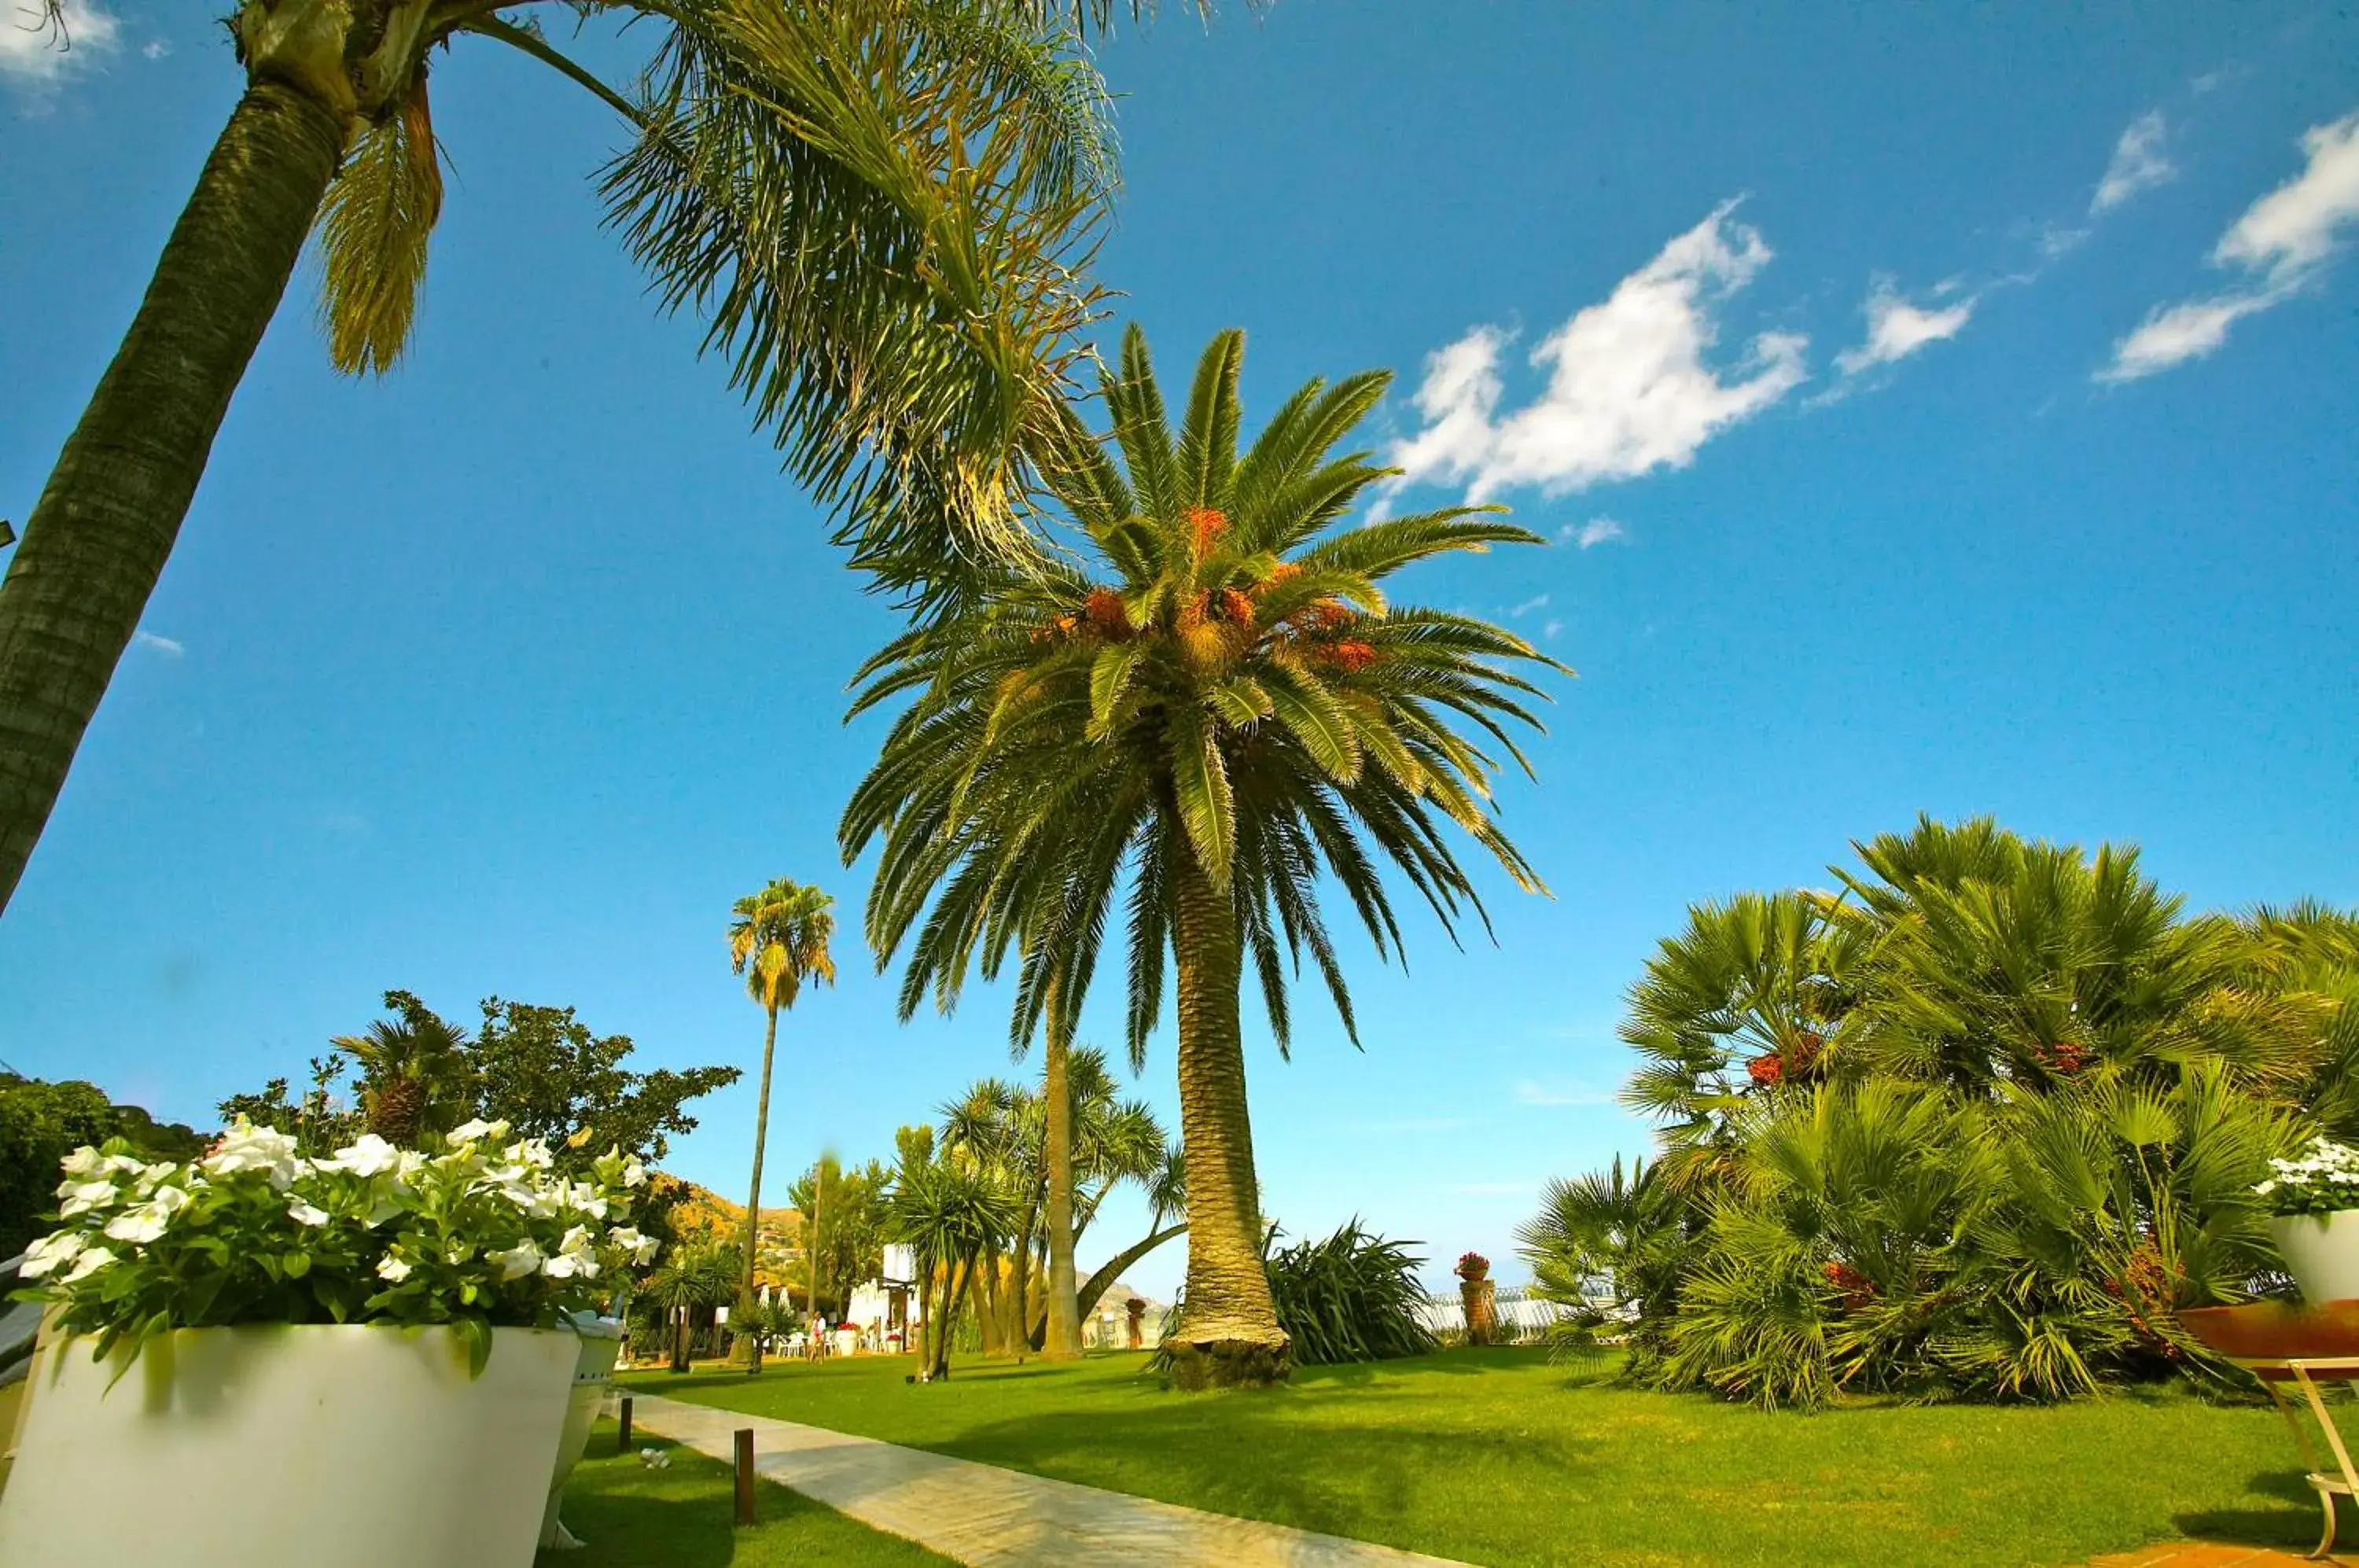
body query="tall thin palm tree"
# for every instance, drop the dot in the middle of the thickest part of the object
(777, 940)
(1213, 704)
(881, 207)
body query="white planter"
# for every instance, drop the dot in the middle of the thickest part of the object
(333, 1446)
(2322, 1253)
(593, 1374)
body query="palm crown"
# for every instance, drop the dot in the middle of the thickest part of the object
(779, 938)
(1212, 701)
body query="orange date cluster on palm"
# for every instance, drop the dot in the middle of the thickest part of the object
(1858, 1290)
(1799, 1060)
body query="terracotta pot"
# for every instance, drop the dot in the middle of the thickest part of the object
(2272, 1331)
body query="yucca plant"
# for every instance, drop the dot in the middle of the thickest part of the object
(1211, 715)
(1352, 1297)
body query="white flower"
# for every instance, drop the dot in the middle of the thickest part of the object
(573, 1257)
(89, 1263)
(303, 1212)
(2265, 1189)
(472, 1131)
(642, 1248)
(635, 1174)
(531, 1152)
(126, 1164)
(245, 1147)
(519, 1260)
(81, 1197)
(146, 1223)
(51, 1250)
(393, 1269)
(367, 1155)
(584, 1197)
(82, 1162)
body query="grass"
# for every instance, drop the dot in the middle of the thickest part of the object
(634, 1517)
(1500, 1456)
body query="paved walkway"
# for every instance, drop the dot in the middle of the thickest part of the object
(983, 1514)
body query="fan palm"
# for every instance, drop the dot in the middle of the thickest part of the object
(880, 206)
(1214, 705)
(777, 940)
(415, 1077)
(698, 1274)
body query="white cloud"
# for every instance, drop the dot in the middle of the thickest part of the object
(1535, 1093)
(2282, 242)
(1536, 601)
(167, 647)
(1897, 328)
(36, 53)
(1596, 531)
(2138, 164)
(1551, 629)
(155, 49)
(1628, 386)
(2184, 331)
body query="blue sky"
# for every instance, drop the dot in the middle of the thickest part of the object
(1934, 413)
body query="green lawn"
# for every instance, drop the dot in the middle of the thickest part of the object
(629, 1516)
(1501, 1457)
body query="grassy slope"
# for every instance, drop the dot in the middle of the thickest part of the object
(632, 1517)
(1500, 1457)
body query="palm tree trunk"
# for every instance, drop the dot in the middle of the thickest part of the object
(1097, 1284)
(745, 1349)
(99, 536)
(1064, 1343)
(1229, 1331)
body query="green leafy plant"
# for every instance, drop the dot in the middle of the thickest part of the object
(1352, 1297)
(1979, 1125)
(475, 1235)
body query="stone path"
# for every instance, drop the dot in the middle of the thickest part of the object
(983, 1514)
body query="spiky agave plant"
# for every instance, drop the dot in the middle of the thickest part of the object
(1215, 706)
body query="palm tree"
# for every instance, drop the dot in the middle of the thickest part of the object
(951, 1215)
(882, 208)
(415, 1074)
(777, 940)
(1213, 704)
(697, 1274)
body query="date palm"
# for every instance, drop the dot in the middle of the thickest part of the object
(414, 1073)
(1204, 712)
(777, 940)
(880, 207)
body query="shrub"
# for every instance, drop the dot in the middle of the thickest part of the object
(1352, 1297)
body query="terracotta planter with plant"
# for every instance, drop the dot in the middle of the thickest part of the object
(1475, 1289)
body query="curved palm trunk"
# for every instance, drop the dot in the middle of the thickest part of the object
(1099, 1283)
(98, 537)
(1064, 1339)
(1229, 1331)
(745, 1349)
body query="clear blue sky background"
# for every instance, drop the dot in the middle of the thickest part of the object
(508, 673)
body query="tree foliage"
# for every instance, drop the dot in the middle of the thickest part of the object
(1980, 1123)
(42, 1122)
